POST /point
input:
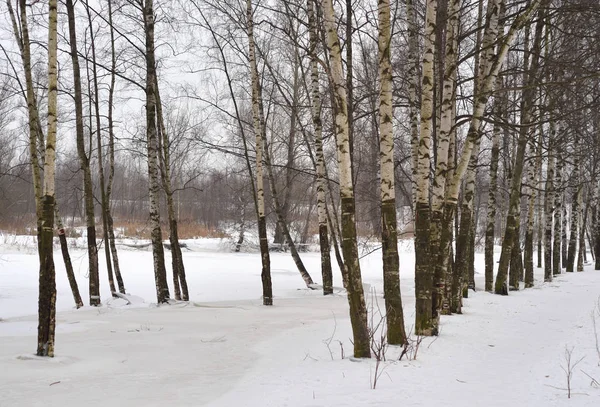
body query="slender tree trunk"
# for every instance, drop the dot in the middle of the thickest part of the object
(424, 323)
(160, 272)
(104, 202)
(582, 223)
(470, 282)
(490, 66)
(511, 234)
(289, 169)
(279, 211)
(111, 154)
(326, 270)
(84, 161)
(531, 187)
(572, 250)
(350, 82)
(258, 132)
(396, 333)
(558, 213)
(179, 280)
(549, 201)
(64, 248)
(565, 229)
(413, 94)
(242, 232)
(443, 161)
(47, 280)
(490, 231)
(516, 261)
(356, 298)
(462, 245)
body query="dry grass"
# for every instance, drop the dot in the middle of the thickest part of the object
(23, 225)
(186, 230)
(133, 229)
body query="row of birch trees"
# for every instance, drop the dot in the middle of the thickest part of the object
(478, 118)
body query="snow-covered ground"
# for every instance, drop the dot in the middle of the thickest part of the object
(225, 349)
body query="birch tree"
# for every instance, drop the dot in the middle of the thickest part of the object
(424, 324)
(389, 236)
(160, 272)
(84, 161)
(356, 299)
(47, 281)
(511, 234)
(440, 241)
(549, 201)
(325, 247)
(258, 126)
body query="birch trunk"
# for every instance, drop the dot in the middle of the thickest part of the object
(582, 223)
(289, 168)
(516, 260)
(396, 333)
(424, 323)
(531, 195)
(572, 249)
(47, 280)
(278, 207)
(461, 272)
(490, 231)
(180, 287)
(64, 248)
(260, 191)
(160, 272)
(558, 217)
(413, 85)
(511, 234)
(534, 168)
(326, 271)
(564, 233)
(549, 201)
(442, 163)
(356, 298)
(350, 83)
(84, 161)
(111, 153)
(489, 71)
(104, 202)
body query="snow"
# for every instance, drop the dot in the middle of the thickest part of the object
(225, 349)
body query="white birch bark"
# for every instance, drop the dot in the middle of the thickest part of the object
(424, 324)
(391, 269)
(356, 299)
(549, 202)
(491, 67)
(326, 270)
(258, 132)
(413, 84)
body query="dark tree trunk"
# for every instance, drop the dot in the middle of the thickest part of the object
(558, 213)
(64, 248)
(111, 154)
(160, 272)
(564, 234)
(423, 272)
(47, 282)
(572, 249)
(516, 263)
(94, 279)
